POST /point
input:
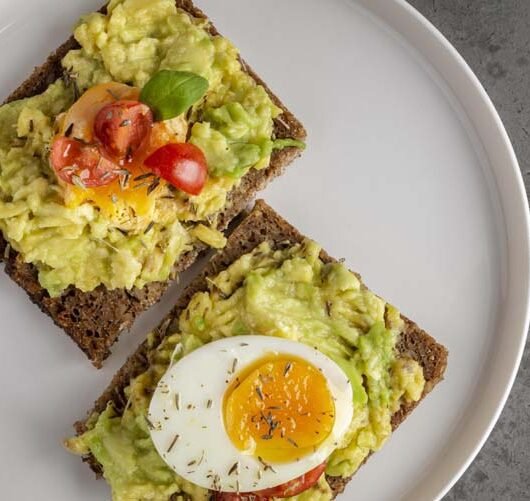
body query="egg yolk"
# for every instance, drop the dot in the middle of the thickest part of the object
(136, 191)
(280, 409)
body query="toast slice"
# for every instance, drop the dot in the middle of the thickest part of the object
(95, 319)
(264, 224)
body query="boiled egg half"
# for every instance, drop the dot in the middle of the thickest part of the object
(248, 413)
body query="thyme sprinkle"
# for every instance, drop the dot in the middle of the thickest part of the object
(209, 403)
(233, 468)
(266, 465)
(173, 442)
(291, 441)
(288, 366)
(234, 365)
(153, 186)
(149, 227)
(124, 178)
(259, 393)
(141, 177)
(177, 401)
(216, 482)
(272, 426)
(141, 185)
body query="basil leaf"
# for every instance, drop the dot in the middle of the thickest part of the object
(170, 93)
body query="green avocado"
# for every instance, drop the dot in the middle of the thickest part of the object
(288, 293)
(233, 125)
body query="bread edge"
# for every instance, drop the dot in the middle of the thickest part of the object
(26, 275)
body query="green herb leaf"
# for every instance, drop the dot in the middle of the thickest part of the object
(170, 93)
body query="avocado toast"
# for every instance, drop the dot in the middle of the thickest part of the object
(93, 310)
(389, 361)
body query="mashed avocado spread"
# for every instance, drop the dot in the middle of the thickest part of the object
(289, 293)
(83, 245)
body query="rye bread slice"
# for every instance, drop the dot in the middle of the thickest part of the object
(262, 224)
(95, 319)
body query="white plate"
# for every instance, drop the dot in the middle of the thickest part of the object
(408, 174)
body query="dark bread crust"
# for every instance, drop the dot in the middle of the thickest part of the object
(263, 223)
(95, 319)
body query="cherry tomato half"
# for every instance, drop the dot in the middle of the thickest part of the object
(122, 127)
(181, 164)
(292, 488)
(70, 157)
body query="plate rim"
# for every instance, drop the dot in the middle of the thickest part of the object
(393, 13)
(400, 8)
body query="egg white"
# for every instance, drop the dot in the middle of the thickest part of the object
(186, 412)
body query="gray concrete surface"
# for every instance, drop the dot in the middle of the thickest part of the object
(494, 38)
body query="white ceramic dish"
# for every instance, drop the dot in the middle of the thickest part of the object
(409, 175)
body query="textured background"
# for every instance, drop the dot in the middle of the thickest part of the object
(494, 38)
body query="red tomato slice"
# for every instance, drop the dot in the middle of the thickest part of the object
(70, 157)
(183, 165)
(292, 488)
(122, 127)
